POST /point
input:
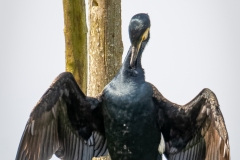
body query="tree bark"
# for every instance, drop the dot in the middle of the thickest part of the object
(102, 158)
(75, 30)
(105, 43)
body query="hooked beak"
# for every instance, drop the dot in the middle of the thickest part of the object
(136, 47)
(135, 50)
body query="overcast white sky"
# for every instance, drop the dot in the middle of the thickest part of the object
(193, 45)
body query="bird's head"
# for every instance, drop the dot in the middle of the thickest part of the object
(139, 34)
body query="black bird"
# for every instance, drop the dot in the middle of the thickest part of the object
(126, 119)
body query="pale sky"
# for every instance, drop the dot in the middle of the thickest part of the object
(193, 45)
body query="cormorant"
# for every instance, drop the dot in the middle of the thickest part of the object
(126, 119)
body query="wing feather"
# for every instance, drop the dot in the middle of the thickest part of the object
(196, 130)
(60, 123)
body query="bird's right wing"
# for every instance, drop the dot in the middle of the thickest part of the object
(195, 131)
(64, 122)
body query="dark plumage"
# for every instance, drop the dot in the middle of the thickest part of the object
(126, 119)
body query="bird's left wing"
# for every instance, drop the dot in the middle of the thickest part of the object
(64, 122)
(195, 131)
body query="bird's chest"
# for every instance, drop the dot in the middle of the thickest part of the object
(129, 117)
(129, 103)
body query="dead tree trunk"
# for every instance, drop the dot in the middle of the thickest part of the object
(105, 43)
(75, 30)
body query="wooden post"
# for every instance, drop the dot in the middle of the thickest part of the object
(102, 158)
(75, 30)
(105, 43)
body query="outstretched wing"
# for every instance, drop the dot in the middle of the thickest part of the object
(195, 131)
(64, 122)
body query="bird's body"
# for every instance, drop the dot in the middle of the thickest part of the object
(130, 116)
(126, 119)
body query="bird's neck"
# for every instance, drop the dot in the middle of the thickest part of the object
(133, 74)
